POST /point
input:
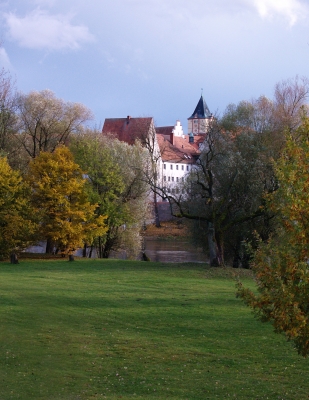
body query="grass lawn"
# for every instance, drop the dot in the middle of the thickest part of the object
(113, 329)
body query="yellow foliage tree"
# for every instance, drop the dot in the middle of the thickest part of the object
(282, 264)
(67, 218)
(16, 227)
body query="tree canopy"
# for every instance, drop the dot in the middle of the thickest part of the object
(281, 264)
(45, 121)
(59, 197)
(16, 218)
(114, 170)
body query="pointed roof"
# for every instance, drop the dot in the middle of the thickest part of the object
(201, 110)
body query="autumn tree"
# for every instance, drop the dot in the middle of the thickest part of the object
(16, 218)
(46, 121)
(281, 264)
(60, 199)
(114, 171)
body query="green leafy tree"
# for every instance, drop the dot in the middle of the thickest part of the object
(114, 171)
(281, 264)
(16, 224)
(59, 196)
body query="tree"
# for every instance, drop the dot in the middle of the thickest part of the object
(67, 218)
(281, 264)
(223, 191)
(114, 170)
(148, 139)
(8, 116)
(142, 131)
(284, 112)
(46, 121)
(16, 225)
(290, 102)
(235, 168)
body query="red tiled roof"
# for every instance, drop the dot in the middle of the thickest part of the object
(173, 148)
(181, 151)
(127, 129)
(166, 131)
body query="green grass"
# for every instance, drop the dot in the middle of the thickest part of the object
(132, 330)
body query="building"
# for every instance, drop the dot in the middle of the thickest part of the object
(200, 119)
(174, 152)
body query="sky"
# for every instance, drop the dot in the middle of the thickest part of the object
(154, 57)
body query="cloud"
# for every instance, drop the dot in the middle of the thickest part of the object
(40, 30)
(293, 10)
(4, 59)
(44, 2)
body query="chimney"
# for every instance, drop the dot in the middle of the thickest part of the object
(128, 119)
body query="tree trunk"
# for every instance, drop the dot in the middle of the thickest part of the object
(85, 250)
(49, 247)
(105, 253)
(14, 258)
(156, 211)
(220, 247)
(214, 257)
(71, 257)
(90, 251)
(105, 249)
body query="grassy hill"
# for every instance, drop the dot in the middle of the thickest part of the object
(109, 329)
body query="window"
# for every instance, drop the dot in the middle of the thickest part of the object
(177, 179)
(177, 166)
(169, 178)
(171, 166)
(187, 167)
(164, 166)
(172, 179)
(182, 167)
(164, 178)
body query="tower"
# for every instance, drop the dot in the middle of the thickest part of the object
(200, 119)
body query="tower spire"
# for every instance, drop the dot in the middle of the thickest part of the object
(199, 121)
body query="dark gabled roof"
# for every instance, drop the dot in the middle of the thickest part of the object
(201, 110)
(164, 130)
(128, 129)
